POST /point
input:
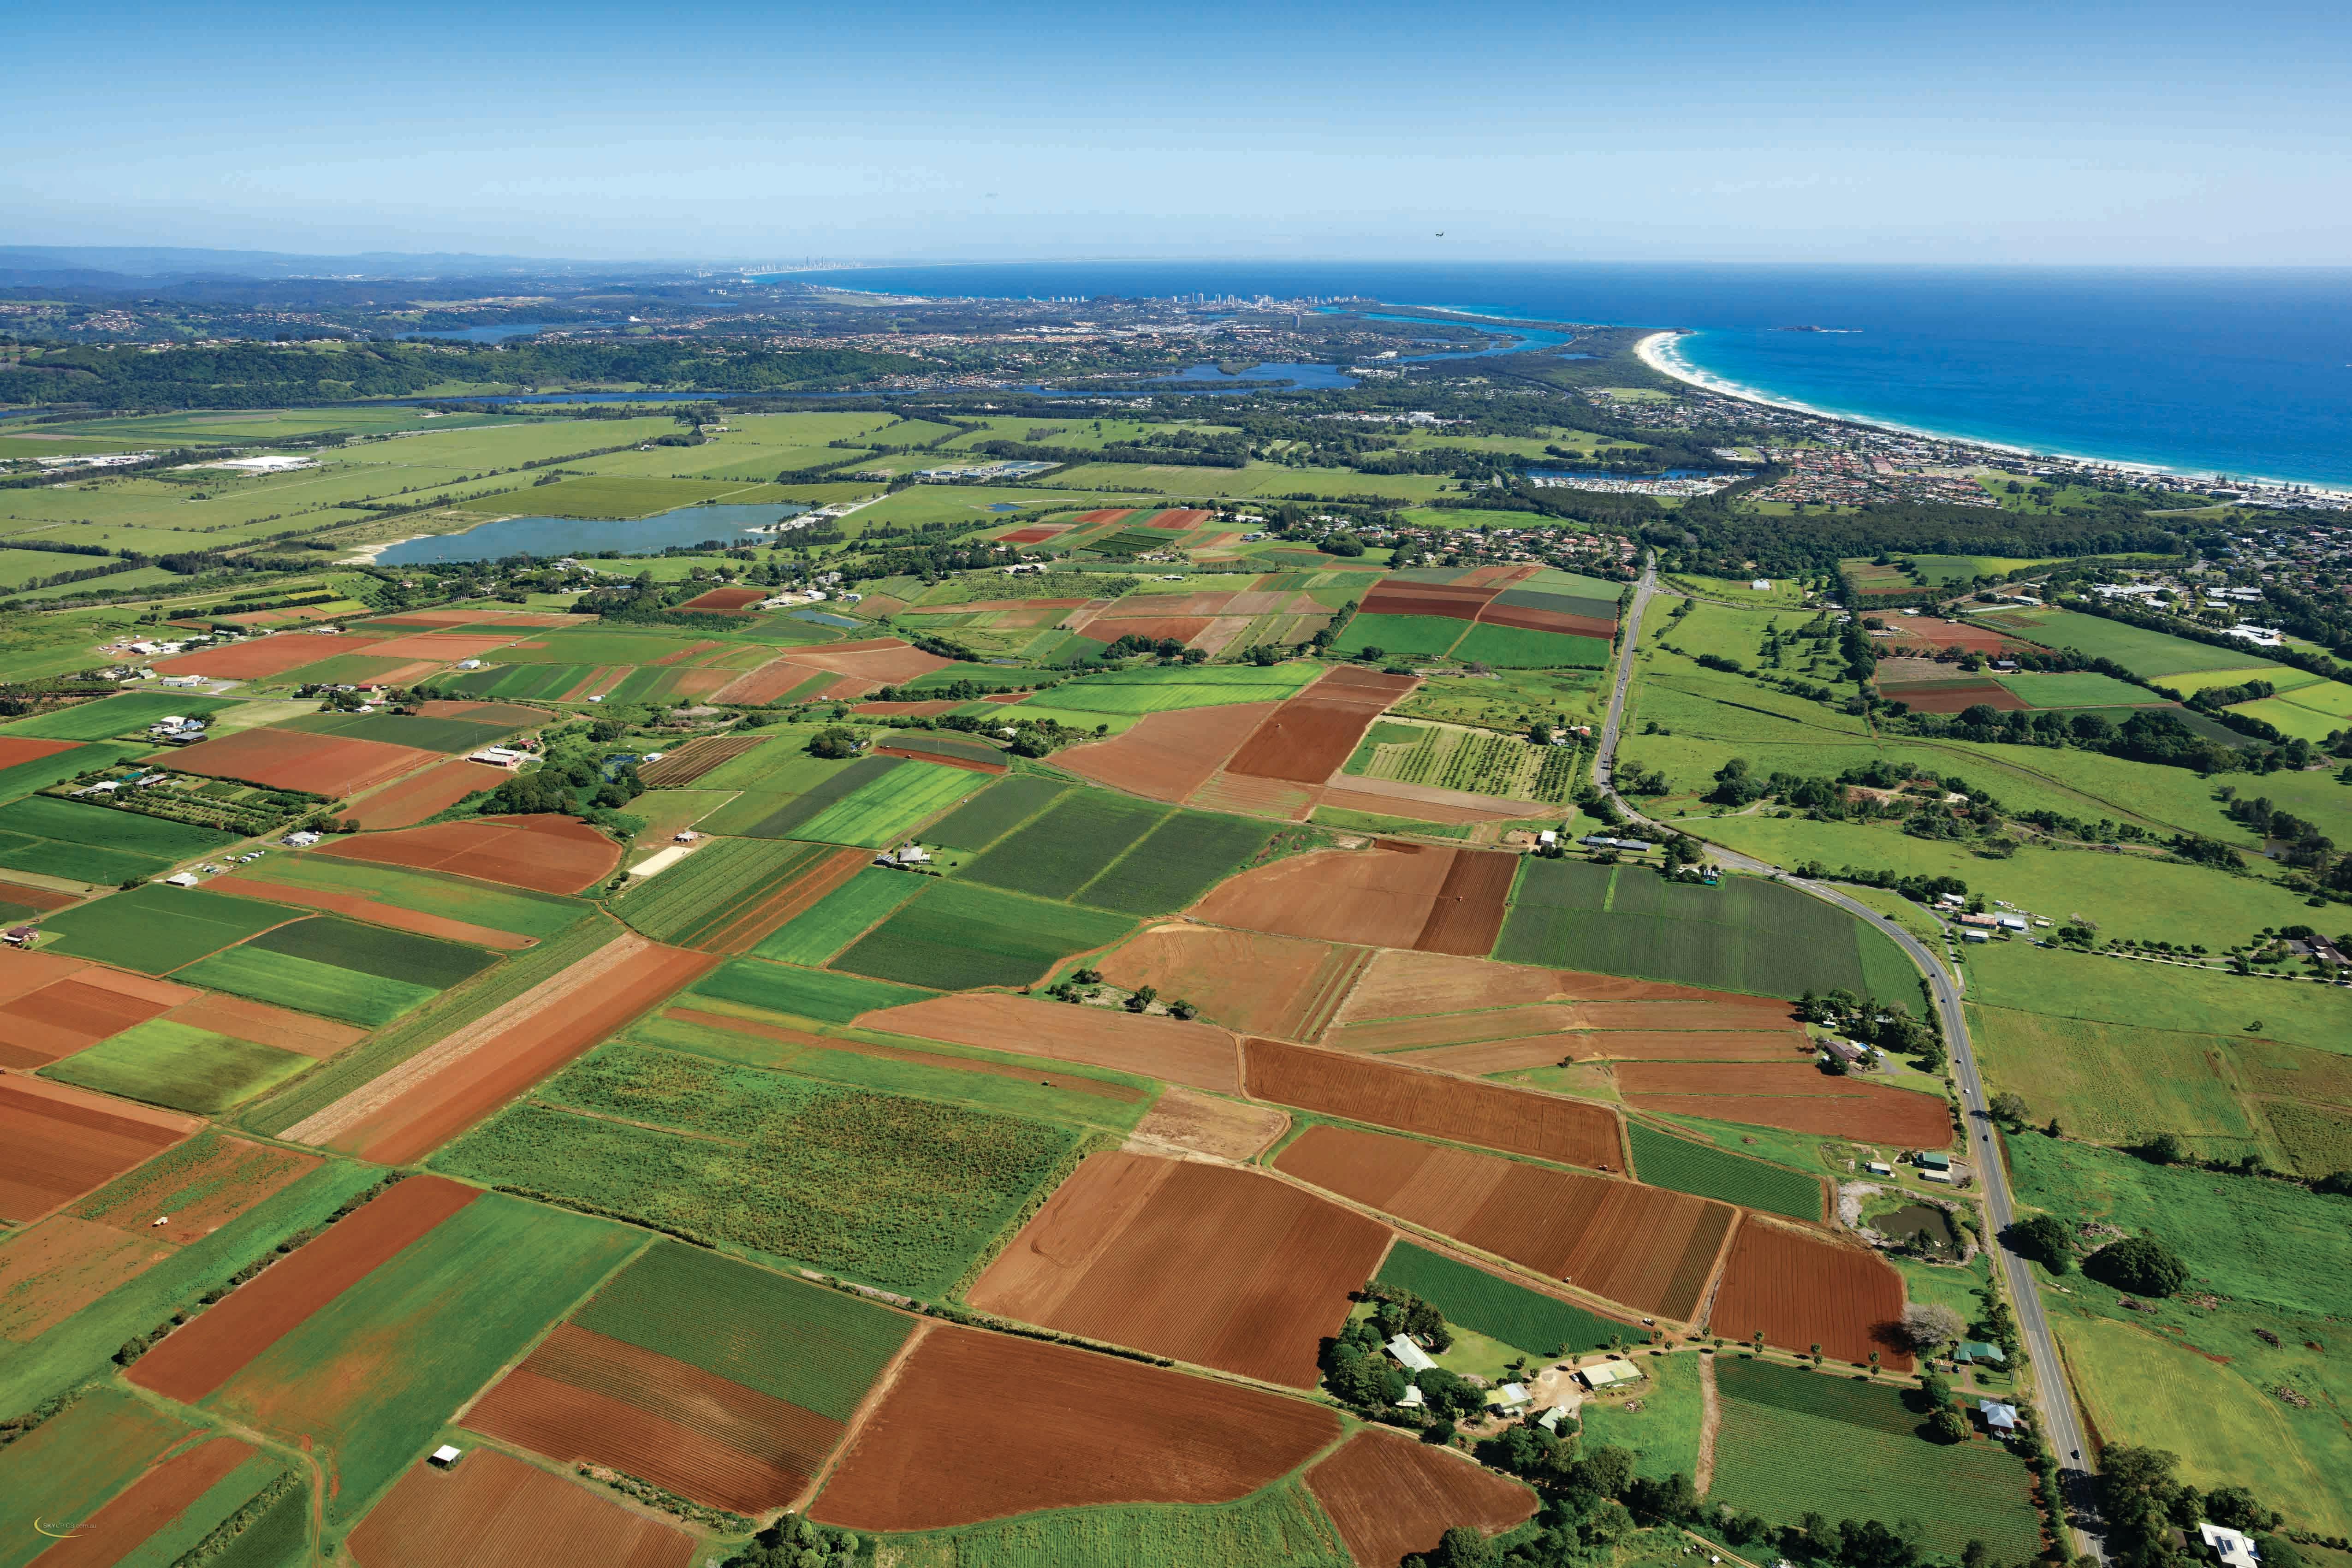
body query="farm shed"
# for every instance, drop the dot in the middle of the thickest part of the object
(1415, 1358)
(1977, 1350)
(1609, 1374)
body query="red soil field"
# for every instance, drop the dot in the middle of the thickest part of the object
(1647, 1247)
(493, 1510)
(765, 684)
(582, 1397)
(1514, 1054)
(1173, 628)
(1802, 1287)
(1460, 601)
(1167, 756)
(416, 797)
(1552, 1018)
(44, 898)
(1688, 1045)
(1106, 514)
(513, 715)
(22, 972)
(1954, 698)
(945, 758)
(1533, 620)
(147, 1505)
(1515, 1121)
(691, 650)
(207, 1350)
(90, 1006)
(1030, 535)
(234, 1178)
(875, 658)
(1307, 738)
(788, 900)
(1180, 516)
(1420, 801)
(58, 1142)
(1468, 913)
(1182, 1122)
(1795, 1096)
(16, 749)
(446, 1089)
(1243, 980)
(726, 599)
(53, 1269)
(1238, 796)
(546, 854)
(1399, 984)
(1123, 1093)
(681, 767)
(1934, 633)
(359, 906)
(1144, 605)
(1201, 1263)
(261, 658)
(1392, 895)
(441, 647)
(1165, 1048)
(332, 765)
(1042, 1426)
(1392, 1497)
(267, 1026)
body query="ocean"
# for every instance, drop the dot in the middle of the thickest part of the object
(2200, 371)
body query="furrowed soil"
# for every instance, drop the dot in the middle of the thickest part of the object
(109, 1536)
(267, 1026)
(446, 1088)
(784, 902)
(1058, 1428)
(1644, 1247)
(1201, 1263)
(496, 1512)
(1408, 985)
(546, 854)
(199, 1356)
(691, 761)
(291, 759)
(1306, 739)
(1804, 1288)
(1246, 980)
(1393, 894)
(1795, 1096)
(1184, 1122)
(1167, 756)
(375, 911)
(60, 1142)
(1194, 1054)
(90, 1006)
(1392, 1496)
(414, 799)
(1515, 1121)
(582, 1397)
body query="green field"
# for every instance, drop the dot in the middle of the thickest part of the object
(1431, 636)
(156, 927)
(40, 773)
(711, 886)
(289, 981)
(365, 1381)
(71, 1463)
(1664, 1435)
(94, 843)
(995, 811)
(1795, 1442)
(1281, 1527)
(957, 935)
(793, 791)
(723, 1316)
(186, 1069)
(881, 812)
(1540, 1326)
(1745, 935)
(2078, 688)
(2119, 1084)
(2066, 983)
(1662, 1160)
(396, 955)
(130, 713)
(2150, 655)
(449, 736)
(840, 918)
(898, 1192)
(518, 910)
(797, 993)
(1175, 863)
(1155, 688)
(1067, 847)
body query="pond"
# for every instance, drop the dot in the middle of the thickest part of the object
(549, 537)
(1925, 1223)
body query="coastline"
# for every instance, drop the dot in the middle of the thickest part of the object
(365, 555)
(1657, 351)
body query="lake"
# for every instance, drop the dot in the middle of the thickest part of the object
(548, 537)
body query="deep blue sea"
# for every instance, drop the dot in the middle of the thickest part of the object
(2200, 371)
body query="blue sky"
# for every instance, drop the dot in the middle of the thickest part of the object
(1963, 132)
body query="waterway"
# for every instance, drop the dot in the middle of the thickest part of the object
(549, 537)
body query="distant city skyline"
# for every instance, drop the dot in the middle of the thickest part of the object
(1981, 132)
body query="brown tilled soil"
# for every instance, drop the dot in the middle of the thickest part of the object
(53, 1269)
(1202, 1263)
(204, 1197)
(885, 660)
(58, 1142)
(493, 1511)
(1794, 1095)
(1239, 797)
(1489, 1056)
(375, 911)
(206, 1351)
(1393, 1496)
(109, 1536)
(1468, 913)
(1390, 1094)
(1645, 1246)
(1460, 600)
(545, 854)
(1203, 1124)
(691, 761)
(333, 765)
(1165, 1048)
(1421, 803)
(266, 1025)
(1246, 980)
(1955, 699)
(42, 899)
(69, 1014)
(1040, 1426)
(583, 1398)
(1404, 985)
(1166, 756)
(266, 657)
(1305, 740)
(415, 798)
(1456, 1028)
(1394, 894)
(1805, 1288)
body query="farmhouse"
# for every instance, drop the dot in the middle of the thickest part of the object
(2228, 1546)
(1411, 1356)
(499, 757)
(1978, 1350)
(1998, 1418)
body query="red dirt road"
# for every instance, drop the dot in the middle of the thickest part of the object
(206, 1351)
(497, 1512)
(1515, 1121)
(1042, 1426)
(1201, 1263)
(1393, 1496)
(1804, 1288)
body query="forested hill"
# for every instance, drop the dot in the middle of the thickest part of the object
(259, 376)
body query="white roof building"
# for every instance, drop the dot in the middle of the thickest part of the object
(1998, 1416)
(1609, 1374)
(1413, 1356)
(1413, 1399)
(2230, 1545)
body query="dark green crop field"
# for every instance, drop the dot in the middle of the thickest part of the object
(954, 936)
(1067, 847)
(372, 950)
(1662, 1160)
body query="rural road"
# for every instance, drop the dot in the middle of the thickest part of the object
(2061, 1425)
